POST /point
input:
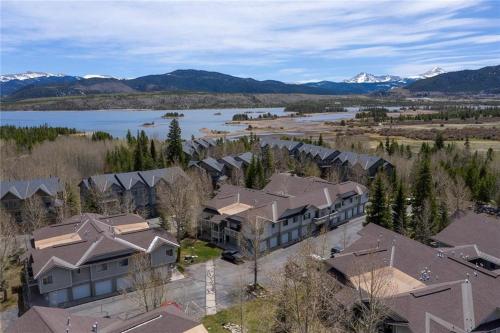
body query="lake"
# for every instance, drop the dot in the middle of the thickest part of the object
(117, 122)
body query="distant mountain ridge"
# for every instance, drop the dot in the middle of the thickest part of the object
(484, 80)
(36, 84)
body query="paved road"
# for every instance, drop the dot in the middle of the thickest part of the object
(229, 278)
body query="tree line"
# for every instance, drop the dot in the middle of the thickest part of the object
(27, 137)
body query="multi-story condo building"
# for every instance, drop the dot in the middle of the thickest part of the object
(14, 193)
(88, 257)
(224, 169)
(288, 209)
(452, 288)
(347, 164)
(129, 191)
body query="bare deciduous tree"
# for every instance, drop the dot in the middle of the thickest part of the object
(179, 202)
(34, 214)
(304, 295)
(8, 230)
(147, 284)
(251, 247)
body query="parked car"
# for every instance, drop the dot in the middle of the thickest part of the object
(232, 256)
(335, 250)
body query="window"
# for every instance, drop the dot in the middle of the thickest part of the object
(169, 252)
(285, 223)
(102, 267)
(47, 280)
(123, 262)
(78, 271)
(295, 219)
(307, 216)
(273, 225)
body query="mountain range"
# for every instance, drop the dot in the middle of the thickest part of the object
(36, 84)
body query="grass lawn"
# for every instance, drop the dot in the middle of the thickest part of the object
(12, 275)
(201, 249)
(256, 317)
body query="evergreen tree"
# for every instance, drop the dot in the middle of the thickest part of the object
(320, 140)
(138, 158)
(260, 176)
(467, 143)
(399, 217)
(442, 218)
(490, 154)
(439, 141)
(152, 150)
(174, 148)
(130, 138)
(250, 176)
(387, 145)
(72, 200)
(378, 211)
(268, 162)
(424, 203)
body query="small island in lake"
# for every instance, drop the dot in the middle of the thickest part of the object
(217, 114)
(173, 115)
(151, 124)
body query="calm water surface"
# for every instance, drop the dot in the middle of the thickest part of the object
(117, 122)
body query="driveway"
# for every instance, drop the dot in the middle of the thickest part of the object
(190, 291)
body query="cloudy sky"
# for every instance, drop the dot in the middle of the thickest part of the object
(284, 40)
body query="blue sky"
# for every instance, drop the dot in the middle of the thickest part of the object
(289, 41)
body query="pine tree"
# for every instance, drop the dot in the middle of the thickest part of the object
(72, 200)
(138, 158)
(268, 162)
(260, 176)
(467, 144)
(174, 148)
(251, 174)
(378, 211)
(399, 217)
(424, 202)
(130, 138)
(439, 141)
(152, 150)
(320, 140)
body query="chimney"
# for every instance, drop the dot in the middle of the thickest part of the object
(275, 210)
(238, 198)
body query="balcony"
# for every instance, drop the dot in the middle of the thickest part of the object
(231, 233)
(326, 218)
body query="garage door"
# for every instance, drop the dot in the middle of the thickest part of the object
(58, 297)
(273, 242)
(295, 234)
(103, 287)
(284, 238)
(123, 283)
(81, 291)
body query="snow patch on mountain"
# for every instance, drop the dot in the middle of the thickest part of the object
(26, 76)
(364, 77)
(97, 76)
(430, 73)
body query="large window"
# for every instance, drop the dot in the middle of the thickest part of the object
(169, 252)
(123, 262)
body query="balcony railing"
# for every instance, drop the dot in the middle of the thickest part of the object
(326, 218)
(231, 233)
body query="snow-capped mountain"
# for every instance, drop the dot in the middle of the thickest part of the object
(430, 73)
(370, 78)
(26, 76)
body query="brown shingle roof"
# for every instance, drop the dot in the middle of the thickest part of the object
(97, 240)
(469, 228)
(375, 248)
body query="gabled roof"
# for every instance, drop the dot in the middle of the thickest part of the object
(363, 160)
(379, 247)
(246, 158)
(98, 237)
(129, 179)
(213, 163)
(167, 318)
(104, 182)
(231, 162)
(276, 143)
(469, 228)
(151, 177)
(24, 189)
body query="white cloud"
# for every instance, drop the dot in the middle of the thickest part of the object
(244, 33)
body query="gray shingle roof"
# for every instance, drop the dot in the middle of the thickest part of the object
(276, 143)
(213, 163)
(246, 158)
(151, 177)
(231, 162)
(23, 189)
